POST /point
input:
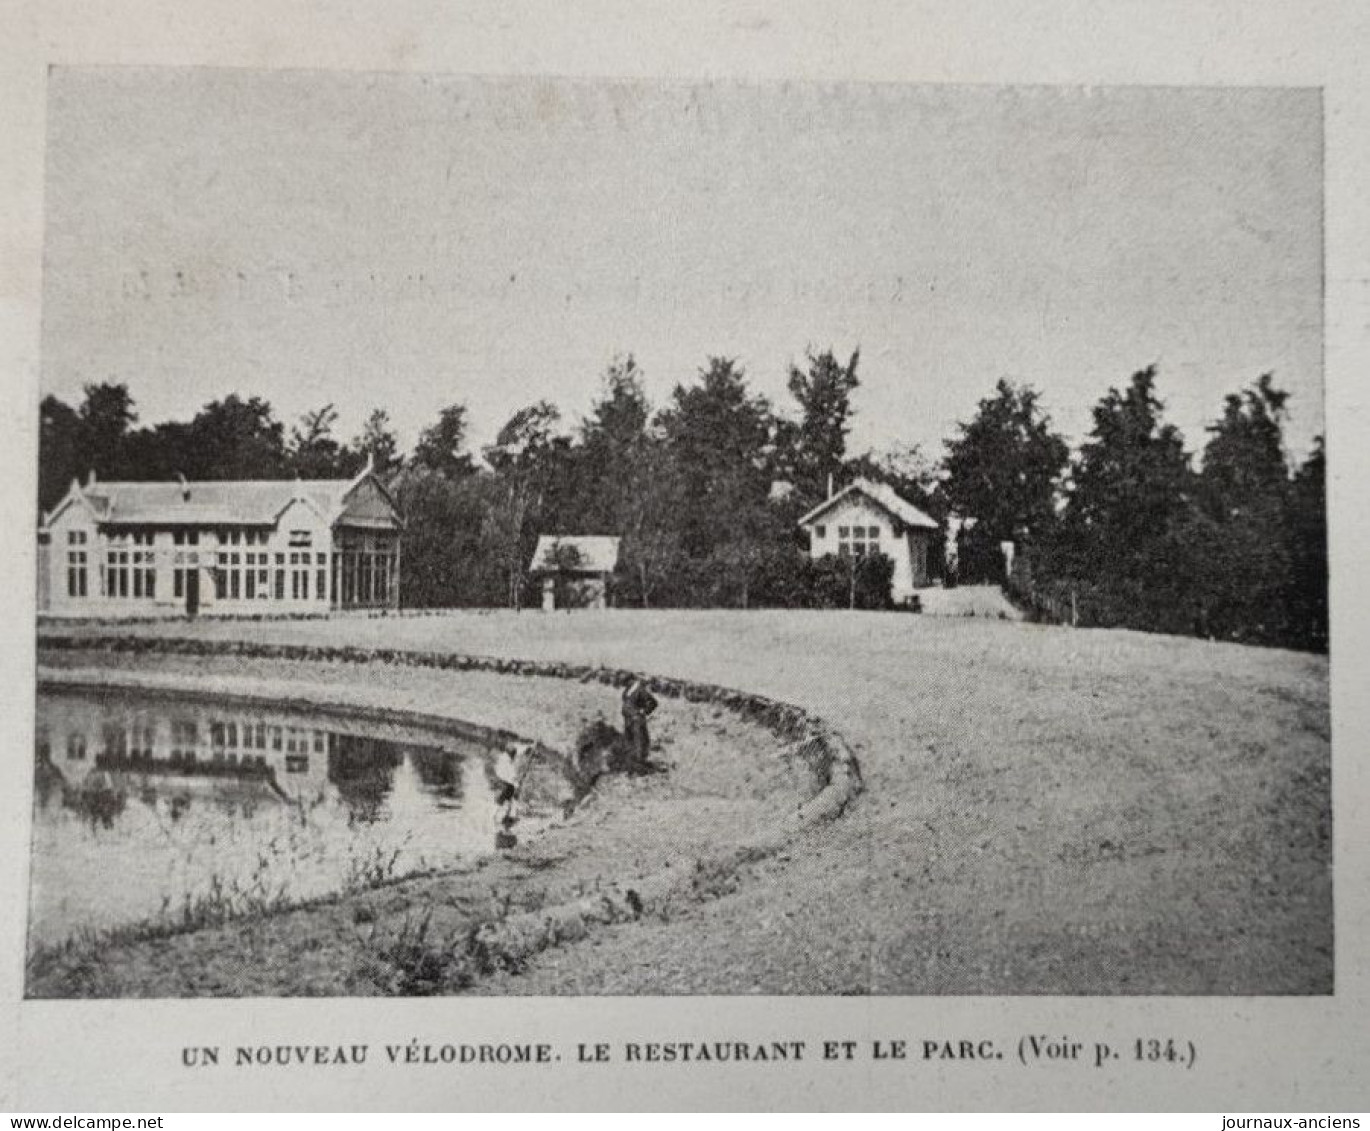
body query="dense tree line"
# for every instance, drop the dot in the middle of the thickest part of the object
(704, 490)
(1131, 530)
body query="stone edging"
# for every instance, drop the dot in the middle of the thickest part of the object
(507, 943)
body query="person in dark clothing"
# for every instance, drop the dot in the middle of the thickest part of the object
(638, 704)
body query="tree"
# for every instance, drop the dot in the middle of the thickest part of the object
(851, 582)
(447, 559)
(1306, 535)
(107, 416)
(815, 447)
(235, 439)
(527, 458)
(719, 437)
(645, 517)
(441, 446)
(59, 451)
(1003, 472)
(609, 458)
(314, 452)
(1128, 524)
(378, 443)
(1242, 579)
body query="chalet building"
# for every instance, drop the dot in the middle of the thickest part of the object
(575, 570)
(866, 517)
(242, 547)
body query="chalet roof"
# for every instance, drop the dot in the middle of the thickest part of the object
(883, 496)
(227, 502)
(598, 552)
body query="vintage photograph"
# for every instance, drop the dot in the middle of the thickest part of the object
(535, 536)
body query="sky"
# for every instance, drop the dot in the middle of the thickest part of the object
(409, 241)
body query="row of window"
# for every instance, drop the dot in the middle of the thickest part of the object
(185, 536)
(137, 740)
(865, 533)
(365, 577)
(853, 541)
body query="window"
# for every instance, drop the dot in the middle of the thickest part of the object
(820, 531)
(77, 564)
(144, 567)
(299, 577)
(115, 740)
(76, 747)
(858, 541)
(116, 567)
(183, 739)
(228, 577)
(301, 538)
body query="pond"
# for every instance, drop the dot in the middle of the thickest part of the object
(175, 812)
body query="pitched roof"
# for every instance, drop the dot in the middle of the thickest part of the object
(226, 502)
(882, 496)
(598, 552)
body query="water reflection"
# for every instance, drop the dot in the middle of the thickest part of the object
(146, 808)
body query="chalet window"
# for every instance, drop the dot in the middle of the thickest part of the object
(820, 531)
(858, 541)
(76, 747)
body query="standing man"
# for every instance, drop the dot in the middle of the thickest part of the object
(638, 703)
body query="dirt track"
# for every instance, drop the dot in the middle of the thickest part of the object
(1047, 810)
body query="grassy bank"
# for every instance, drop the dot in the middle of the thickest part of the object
(1047, 811)
(726, 782)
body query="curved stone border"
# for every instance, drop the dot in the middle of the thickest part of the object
(509, 942)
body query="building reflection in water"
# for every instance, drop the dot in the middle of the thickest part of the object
(141, 804)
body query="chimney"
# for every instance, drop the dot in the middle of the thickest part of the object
(185, 488)
(830, 484)
(90, 478)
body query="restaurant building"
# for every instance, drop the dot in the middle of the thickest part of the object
(220, 547)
